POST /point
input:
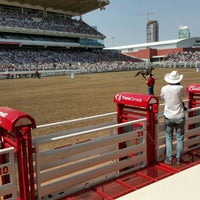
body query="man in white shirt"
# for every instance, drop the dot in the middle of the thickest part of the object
(174, 113)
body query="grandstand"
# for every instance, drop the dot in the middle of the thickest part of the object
(159, 51)
(47, 35)
(52, 37)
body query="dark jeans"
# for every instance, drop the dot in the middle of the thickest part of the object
(150, 90)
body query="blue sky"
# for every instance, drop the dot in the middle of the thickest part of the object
(123, 22)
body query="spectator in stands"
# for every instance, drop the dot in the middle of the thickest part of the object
(174, 113)
(150, 84)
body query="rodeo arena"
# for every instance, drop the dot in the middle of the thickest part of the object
(50, 38)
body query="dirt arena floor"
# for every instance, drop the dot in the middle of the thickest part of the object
(53, 99)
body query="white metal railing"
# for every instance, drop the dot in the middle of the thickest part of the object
(192, 135)
(112, 114)
(176, 64)
(70, 161)
(65, 165)
(9, 186)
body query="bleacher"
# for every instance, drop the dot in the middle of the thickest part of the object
(40, 39)
(29, 21)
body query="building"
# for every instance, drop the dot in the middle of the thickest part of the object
(184, 32)
(154, 51)
(152, 31)
(19, 30)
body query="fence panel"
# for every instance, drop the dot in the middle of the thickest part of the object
(8, 173)
(72, 167)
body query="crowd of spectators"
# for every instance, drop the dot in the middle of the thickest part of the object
(183, 57)
(15, 58)
(15, 18)
(30, 58)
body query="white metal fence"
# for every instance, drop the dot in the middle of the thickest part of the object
(192, 135)
(179, 64)
(73, 166)
(70, 161)
(8, 180)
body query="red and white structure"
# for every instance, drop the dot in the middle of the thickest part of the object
(110, 160)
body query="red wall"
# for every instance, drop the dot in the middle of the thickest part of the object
(149, 53)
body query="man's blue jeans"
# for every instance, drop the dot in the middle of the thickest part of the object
(179, 126)
(150, 90)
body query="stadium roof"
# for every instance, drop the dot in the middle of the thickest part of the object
(176, 43)
(74, 7)
(147, 45)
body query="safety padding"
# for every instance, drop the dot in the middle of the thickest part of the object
(193, 88)
(137, 100)
(11, 119)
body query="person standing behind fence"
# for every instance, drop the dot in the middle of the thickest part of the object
(37, 74)
(150, 84)
(174, 113)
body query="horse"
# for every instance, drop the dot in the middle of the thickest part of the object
(145, 72)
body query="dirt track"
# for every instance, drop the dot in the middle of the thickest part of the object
(53, 99)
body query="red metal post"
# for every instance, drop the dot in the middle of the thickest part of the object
(193, 101)
(25, 163)
(135, 106)
(26, 133)
(16, 131)
(21, 169)
(151, 133)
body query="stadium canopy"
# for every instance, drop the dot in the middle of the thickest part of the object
(193, 42)
(72, 7)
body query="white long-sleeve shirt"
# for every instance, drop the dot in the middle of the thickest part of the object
(173, 98)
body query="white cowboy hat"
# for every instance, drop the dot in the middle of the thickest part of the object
(173, 77)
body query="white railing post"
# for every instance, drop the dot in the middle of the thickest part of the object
(8, 186)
